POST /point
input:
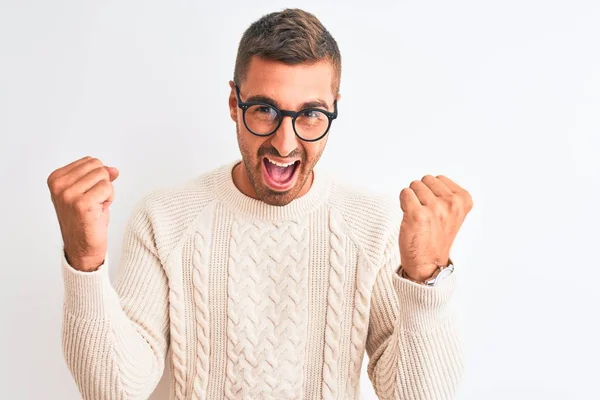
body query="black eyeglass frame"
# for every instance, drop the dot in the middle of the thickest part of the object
(285, 113)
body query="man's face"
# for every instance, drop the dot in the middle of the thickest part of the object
(287, 87)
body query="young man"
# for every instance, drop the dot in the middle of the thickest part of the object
(264, 278)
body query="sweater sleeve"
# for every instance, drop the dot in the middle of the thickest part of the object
(115, 339)
(413, 344)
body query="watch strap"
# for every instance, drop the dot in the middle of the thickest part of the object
(441, 273)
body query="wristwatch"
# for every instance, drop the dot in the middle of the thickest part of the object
(441, 273)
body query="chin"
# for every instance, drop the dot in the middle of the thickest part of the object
(277, 198)
(274, 197)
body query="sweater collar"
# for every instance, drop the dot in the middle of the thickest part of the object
(247, 206)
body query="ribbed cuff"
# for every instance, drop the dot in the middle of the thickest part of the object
(423, 307)
(88, 295)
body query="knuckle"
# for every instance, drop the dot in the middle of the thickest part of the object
(445, 198)
(421, 216)
(104, 189)
(104, 174)
(422, 213)
(439, 212)
(468, 200)
(81, 204)
(50, 180)
(58, 186)
(106, 185)
(53, 188)
(414, 184)
(54, 182)
(96, 162)
(456, 203)
(68, 197)
(100, 173)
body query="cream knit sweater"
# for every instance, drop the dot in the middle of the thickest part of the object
(253, 301)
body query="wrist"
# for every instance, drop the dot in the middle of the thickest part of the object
(418, 278)
(430, 276)
(84, 264)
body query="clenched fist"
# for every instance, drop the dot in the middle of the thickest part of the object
(434, 210)
(82, 193)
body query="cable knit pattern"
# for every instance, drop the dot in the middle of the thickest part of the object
(200, 282)
(360, 319)
(335, 299)
(267, 306)
(256, 301)
(178, 340)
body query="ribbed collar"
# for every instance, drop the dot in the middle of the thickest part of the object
(238, 202)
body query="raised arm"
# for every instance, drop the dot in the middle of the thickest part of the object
(413, 344)
(115, 339)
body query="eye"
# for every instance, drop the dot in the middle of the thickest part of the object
(311, 114)
(264, 110)
(261, 112)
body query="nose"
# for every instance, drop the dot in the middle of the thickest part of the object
(284, 139)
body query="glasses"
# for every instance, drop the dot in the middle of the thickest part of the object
(263, 119)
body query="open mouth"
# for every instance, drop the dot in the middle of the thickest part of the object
(280, 176)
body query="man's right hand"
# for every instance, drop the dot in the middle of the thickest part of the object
(82, 193)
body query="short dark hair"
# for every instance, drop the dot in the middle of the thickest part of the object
(292, 36)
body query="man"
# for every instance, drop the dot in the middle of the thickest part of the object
(265, 278)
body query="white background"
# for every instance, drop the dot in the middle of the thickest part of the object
(501, 96)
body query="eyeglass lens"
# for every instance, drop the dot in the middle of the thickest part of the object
(263, 120)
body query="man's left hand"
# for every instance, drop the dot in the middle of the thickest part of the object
(434, 210)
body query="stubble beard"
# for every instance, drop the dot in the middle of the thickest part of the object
(254, 170)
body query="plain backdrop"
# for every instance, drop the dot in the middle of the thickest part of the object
(501, 96)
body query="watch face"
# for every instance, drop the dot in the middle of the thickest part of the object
(443, 274)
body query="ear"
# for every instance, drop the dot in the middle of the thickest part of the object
(233, 106)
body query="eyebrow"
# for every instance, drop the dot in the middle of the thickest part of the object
(316, 103)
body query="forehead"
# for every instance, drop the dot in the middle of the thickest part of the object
(289, 84)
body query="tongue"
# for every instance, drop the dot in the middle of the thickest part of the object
(279, 174)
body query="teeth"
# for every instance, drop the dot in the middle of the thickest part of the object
(280, 164)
